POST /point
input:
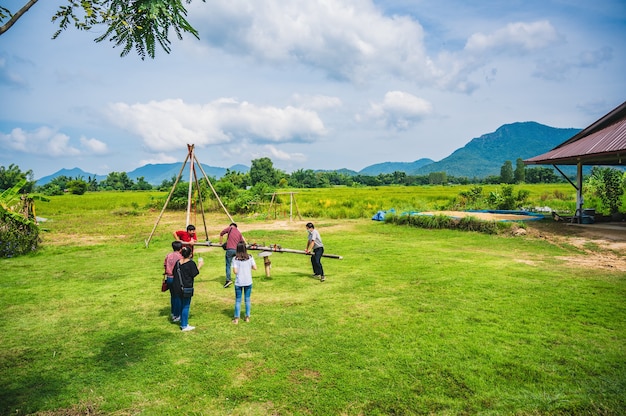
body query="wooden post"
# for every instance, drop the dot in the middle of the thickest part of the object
(266, 261)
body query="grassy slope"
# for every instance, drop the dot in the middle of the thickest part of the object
(410, 322)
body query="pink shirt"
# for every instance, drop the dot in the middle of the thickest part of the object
(170, 261)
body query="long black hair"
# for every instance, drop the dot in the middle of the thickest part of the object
(242, 251)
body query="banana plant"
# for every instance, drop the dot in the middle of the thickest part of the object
(19, 232)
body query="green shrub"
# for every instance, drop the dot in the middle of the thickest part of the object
(468, 223)
(17, 236)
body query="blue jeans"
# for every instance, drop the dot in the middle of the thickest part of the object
(184, 316)
(247, 291)
(174, 300)
(230, 254)
(316, 261)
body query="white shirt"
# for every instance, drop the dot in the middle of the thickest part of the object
(243, 270)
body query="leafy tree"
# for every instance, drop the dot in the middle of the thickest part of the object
(51, 189)
(141, 185)
(132, 24)
(338, 178)
(225, 189)
(506, 172)
(520, 171)
(56, 186)
(117, 181)
(92, 184)
(238, 179)
(471, 197)
(77, 186)
(166, 185)
(302, 178)
(180, 196)
(506, 199)
(607, 184)
(262, 170)
(399, 178)
(437, 178)
(541, 174)
(11, 176)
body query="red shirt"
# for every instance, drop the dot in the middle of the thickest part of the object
(186, 237)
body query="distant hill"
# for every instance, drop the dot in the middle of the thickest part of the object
(391, 167)
(70, 173)
(485, 155)
(342, 171)
(154, 174)
(479, 158)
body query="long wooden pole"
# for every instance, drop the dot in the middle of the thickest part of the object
(274, 248)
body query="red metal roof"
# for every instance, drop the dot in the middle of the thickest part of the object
(602, 143)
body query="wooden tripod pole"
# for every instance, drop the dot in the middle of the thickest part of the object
(167, 200)
(215, 193)
(193, 177)
(206, 231)
(191, 172)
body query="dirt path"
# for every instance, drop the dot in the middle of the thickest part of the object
(603, 245)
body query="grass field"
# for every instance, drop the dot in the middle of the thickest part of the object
(410, 322)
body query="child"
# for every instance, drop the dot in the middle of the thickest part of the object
(243, 264)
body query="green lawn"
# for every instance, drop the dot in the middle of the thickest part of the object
(411, 321)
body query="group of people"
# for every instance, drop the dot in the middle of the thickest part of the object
(181, 269)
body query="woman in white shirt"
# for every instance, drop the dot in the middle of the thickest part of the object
(243, 264)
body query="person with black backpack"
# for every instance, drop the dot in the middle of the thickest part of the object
(185, 271)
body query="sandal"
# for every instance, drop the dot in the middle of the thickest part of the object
(236, 321)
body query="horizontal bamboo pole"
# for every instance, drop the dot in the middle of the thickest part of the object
(275, 248)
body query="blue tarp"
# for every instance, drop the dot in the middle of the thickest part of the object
(380, 215)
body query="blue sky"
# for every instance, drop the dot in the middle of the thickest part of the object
(315, 84)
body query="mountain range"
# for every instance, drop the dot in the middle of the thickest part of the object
(480, 157)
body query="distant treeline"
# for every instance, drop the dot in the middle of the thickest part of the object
(263, 171)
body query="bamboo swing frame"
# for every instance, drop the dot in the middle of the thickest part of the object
(193, 179)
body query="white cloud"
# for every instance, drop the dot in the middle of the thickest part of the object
(94, 146)
(275, 154)
(400, 110)
(348, 40)
(170, 124)
(316, 102)
(353, 40)
(559, 69)
(8, 76)
(42, 141)
(158, 159)
(515, 38)
(454, 69)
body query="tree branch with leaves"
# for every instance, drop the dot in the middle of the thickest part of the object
(130, 24)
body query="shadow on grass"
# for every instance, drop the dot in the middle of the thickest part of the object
(30, 383)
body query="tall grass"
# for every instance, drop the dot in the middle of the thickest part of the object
(342, 203)
(412, 321)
